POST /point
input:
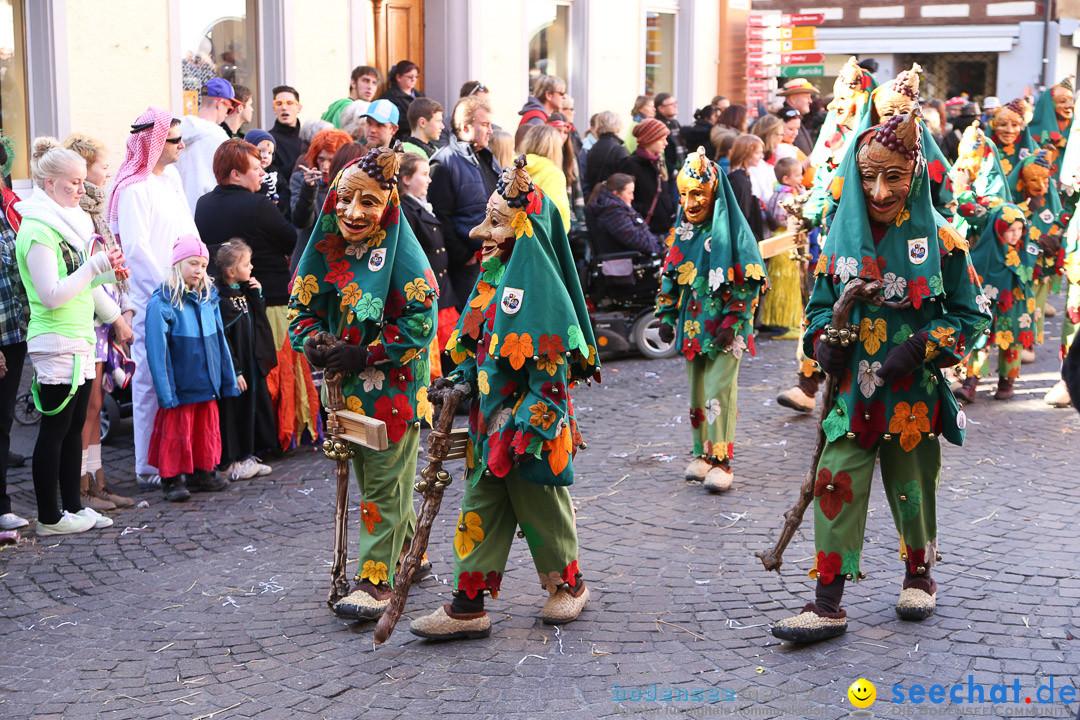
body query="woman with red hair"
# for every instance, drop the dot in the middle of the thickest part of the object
(309, 183)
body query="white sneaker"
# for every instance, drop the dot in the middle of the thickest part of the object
(69, 524)
(100, 521)
(263, 468)
(11, 521)
(241, 470)
(148, 482)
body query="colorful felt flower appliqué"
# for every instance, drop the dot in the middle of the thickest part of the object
(469, 533)
(910, 422)
(374, 572)
(305, 288)
(832, 491)
(516, 348)
(369, 515)
(471, 583)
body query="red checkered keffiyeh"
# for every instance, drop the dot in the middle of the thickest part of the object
(143, 150)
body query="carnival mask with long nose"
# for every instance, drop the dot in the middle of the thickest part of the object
(497, 231)
(898, 96)
(887, 160)
(365, 191)
(697, 183)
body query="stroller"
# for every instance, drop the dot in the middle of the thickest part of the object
(620, 289)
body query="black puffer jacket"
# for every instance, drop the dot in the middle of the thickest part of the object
(604, 159)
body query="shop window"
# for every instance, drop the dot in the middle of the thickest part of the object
(217, 40)
(13, 108)
(659, 52)
(548, 24)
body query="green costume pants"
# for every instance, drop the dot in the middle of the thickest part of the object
(386, 507)
(1008, 361)
(491, 512)
(714, 388)
(911, 482)
(1042, 291)
(1068, 327)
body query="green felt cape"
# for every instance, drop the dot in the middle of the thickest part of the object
(712, 276)
(922, 257)
(524, 339)
(989, 190)
(380, 294)
(1011, 155)
(1006, 274)
(1047, 219)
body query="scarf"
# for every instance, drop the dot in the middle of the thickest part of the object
(143, 152)
(73, 224)
(422, 201)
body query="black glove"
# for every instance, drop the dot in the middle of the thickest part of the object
(667, 333)
(1050, 244)
(832, 358)
(346, 358)
(725, 336)
(903, 359)
(316, 354)
(439, 390)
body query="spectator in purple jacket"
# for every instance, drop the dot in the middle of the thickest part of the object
(615, 225)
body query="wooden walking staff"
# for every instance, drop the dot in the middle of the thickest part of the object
(857, 290)
(444, 444)
(342, 428)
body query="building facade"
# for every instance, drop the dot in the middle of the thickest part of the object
(981, 47)
(94, 65)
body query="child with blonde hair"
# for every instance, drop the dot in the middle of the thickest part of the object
(192, 368)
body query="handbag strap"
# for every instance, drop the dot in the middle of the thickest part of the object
(76, 375)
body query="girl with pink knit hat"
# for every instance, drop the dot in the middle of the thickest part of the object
(191, 365)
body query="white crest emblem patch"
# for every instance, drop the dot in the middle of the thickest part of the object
(961, 419)
(917, 250)
(1046, 216)
(377, 259)
(1032, 248)
(512, 299)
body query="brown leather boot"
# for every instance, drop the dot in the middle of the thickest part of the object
(90, 500)
(966, 391)
(101, 490)
(1004, 389)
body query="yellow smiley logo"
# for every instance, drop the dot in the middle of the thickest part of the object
(862, 693)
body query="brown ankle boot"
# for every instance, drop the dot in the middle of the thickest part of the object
(101, 490)
(966, 391)
(89, 500)
(1004, 389)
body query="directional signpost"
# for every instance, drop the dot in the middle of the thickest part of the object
(780, 45)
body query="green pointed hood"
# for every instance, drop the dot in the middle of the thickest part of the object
(995, 260)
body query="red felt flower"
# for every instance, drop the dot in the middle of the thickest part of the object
(396, 413)
(330, 201)
(535, 202)
(869, 422)
(917, 290)
(1005, 301)
(429, 275)
(471, 583)
(691, 348)
(521, 441)
(739, 277)
(391, 334)
(400, 377)
(489, 313)
(828, 566)
(377, 354)
(351, 335)
(339, 274)
(903, 384)
(494, 582)
(554, 391)
(832, 500)
(674, 258)
(332, 246)
(569, 575)
(498, 459)
(1027, 339)
(389, 216)
(470, 324)
(872, 267)
(936, 168)
(697, 416)
(509, 388)
(915, 558)
(395, 303)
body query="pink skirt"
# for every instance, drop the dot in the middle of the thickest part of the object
(186, 438)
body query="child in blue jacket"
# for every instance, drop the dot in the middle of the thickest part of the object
(192, 367)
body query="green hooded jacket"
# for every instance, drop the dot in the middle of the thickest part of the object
(1047, 220)
(1006, 274)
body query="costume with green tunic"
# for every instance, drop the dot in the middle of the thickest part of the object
(1046, 132)
(523, 342)
(1006, 275)
(1046, 220)
(712, 278)
(921, 257)
(989, 189)
(379, 294)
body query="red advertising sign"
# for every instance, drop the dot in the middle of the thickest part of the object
(762, 85)
(802, 58)
(755, 33)
(762, 71)
(763, 46)
(802, 19)
(763, 58)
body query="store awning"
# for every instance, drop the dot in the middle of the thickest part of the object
(917, 39)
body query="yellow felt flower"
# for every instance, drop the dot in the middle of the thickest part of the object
(822, 264)
(1011, 214)
(424, 408)
(417, 290)
(687, 273)
(375, 239)
(836, 187)
(482, 382)
(468, 533)
(691, 328)
(350, 295)
(1031, 304)
(304, 288)
(522, 224)
(484, 294)
(493, 344)
(754, 271)
(1004, 338)
(374, 572)
(1012, 259)
(1034, 233)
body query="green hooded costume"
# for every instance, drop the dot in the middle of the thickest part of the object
(1047, 220)
(1047, 133)
(921, 257)
(712, 278)
(381, 295)
(1006, 275)
(524, 340)
(1024, 146)
(989, 189)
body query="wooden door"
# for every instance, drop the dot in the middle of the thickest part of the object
(399, 34)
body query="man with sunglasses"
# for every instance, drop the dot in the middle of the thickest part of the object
(548, 94)
(202, 136)
(287, 145)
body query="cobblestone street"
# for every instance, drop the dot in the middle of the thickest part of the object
(215, 608)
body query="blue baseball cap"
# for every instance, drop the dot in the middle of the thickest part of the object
(382, 111)
(219, 88)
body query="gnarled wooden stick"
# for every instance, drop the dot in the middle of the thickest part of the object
(857, 290)
(434, 481)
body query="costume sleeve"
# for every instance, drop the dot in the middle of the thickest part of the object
(465, 372)
(962, 320)
(229, 387)
(819, 311)
(411, 333)
(156, 329)
(542, 407)
(667, 300)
